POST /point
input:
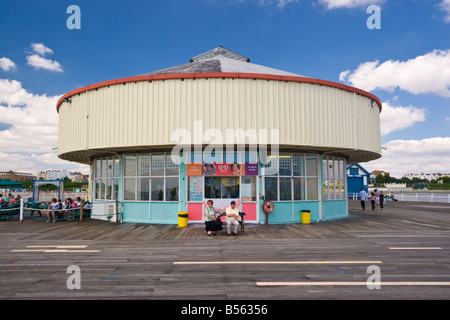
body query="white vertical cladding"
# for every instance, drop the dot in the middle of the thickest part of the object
(145, 113)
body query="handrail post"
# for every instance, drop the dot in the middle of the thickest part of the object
(21, 210)
(81, 210)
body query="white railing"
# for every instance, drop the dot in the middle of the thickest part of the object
(422, 197)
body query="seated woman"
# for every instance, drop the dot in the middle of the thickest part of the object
(213, 224)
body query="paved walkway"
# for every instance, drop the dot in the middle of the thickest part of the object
(409, 242)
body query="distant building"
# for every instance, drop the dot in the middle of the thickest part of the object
(16, 176)
(53, 174)
(357, 178)
(428, 176)
(76, 177)
(42, 175)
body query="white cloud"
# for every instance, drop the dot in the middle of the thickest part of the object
(445, 6)
(336, 4)
(429, 73)
(403, 156)
(282, 3)
(41, 49)
(32, 118)
(32, 130)
(39, 62)
(36, 58)
(397, 118)
(7, 64)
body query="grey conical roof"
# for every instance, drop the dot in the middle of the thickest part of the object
(221, 59)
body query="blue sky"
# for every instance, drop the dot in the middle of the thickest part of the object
(326, 39)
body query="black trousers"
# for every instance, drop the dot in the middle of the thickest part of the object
(363, 204)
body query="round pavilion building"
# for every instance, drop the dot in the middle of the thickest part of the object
(220, 128)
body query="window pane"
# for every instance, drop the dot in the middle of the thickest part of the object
(336, 168)
(324, 169)
(116, 168)
(143, 186)
(108, 186)
(195, 188)
(98, 168)
(212, 187)
(342, 169)
(312, 185)
(158, 188)
(330, 169)
(342, 189)
(143, 165)
(130, 165)
(298, 165)
(230, 157)
(172, 169)
(271, 168)
(326, 189)
(130, 189)
(285, 165)
(285, 189)
(331, 187)
(248, 188)
(104, 168)
(97, 188)
(110, 167)
(115, 194)
(299, 189)
(157, 165)
(230, 187)
(311, 166)
(172, 189)
(271, 188)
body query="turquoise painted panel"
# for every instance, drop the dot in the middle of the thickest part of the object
(335, 209)
(290, 212)
(313, 206)
(137, 212)
(164, 212)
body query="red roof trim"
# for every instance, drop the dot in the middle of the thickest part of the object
(219, 75)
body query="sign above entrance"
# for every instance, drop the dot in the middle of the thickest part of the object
(222, 169)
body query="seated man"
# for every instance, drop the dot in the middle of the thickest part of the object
(232, 218)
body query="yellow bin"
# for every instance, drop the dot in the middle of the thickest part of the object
(182, 219)
(306, 216)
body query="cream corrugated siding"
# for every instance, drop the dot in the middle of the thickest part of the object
(145, 113)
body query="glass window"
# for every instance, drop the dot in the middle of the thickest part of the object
(143, 168)
(157, 189)
(230, 187)
(143, 186)
(157, 165)
(311, 166)
(248, 188)
(130, 189)
(271, 168)
(116, 168)
(312, 186)
(172, 169)
(213, 187)
(172, 189)
(98, 168)
(299, 189)
(298, 165)
(130, 166)
(285, 189)
(271, 187)
(285, 164)
(115, 191)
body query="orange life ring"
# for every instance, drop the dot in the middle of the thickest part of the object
(268, 206)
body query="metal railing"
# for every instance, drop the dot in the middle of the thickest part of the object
(415, 197)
